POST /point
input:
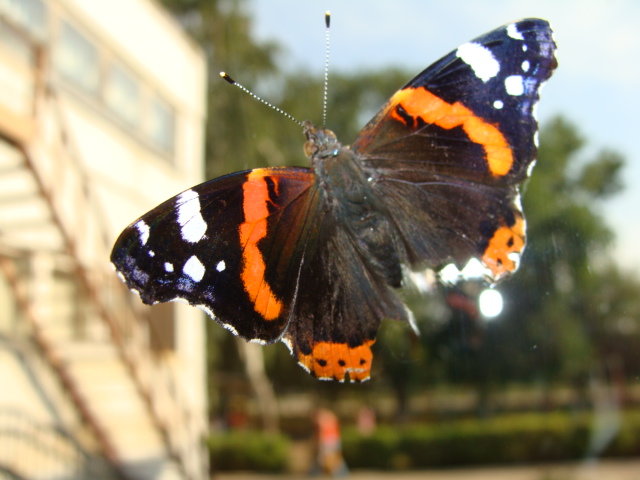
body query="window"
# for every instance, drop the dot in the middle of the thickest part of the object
(160, 129)
(115, 87)
(29, 14)
(76, 58)
(122, 94)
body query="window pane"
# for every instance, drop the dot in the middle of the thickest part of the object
(122, 94)
(76, 58)
(161, 125)
(30, 14)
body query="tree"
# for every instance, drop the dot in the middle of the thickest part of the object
(559, 307)
(238, 129)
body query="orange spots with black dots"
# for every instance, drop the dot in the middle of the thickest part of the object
(503, 250)
(332, 360)
(421, 103)
(252, 230)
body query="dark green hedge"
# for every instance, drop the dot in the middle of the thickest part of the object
(248, 450)
(505, 439)
(521, 438)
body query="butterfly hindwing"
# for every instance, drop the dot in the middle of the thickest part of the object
(339, 305)
(450, 148)
(209, 246)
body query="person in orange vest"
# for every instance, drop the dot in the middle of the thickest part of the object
(329, 458)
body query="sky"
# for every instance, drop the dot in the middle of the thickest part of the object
(597, 84)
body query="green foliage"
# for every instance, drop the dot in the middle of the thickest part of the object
(248, 450)
(238, 128)
(601, 178)
(534, 437)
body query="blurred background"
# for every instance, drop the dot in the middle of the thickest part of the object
(108, 108)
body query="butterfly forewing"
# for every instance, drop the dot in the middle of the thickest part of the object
(449, 149)
(209, 246)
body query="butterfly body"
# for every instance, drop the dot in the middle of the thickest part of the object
(312, 256)
(347, 195)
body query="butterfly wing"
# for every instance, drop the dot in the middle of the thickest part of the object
(449, 149)
(339, 305)
(255, 250)
(209, 246)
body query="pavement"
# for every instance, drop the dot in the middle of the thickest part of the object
(601, 470)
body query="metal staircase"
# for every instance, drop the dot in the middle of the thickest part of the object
(54, 251)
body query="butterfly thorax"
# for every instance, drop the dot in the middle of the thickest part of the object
(347, 193)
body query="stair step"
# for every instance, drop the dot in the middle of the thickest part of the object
(43, 237)
(17, 182)
(23, 206)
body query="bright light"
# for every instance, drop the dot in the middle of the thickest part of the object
(490, 303)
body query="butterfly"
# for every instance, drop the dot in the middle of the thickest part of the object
(313, 256)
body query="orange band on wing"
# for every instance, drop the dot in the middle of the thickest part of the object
(254, 229)
(420, 102)
(334, 360)
(502, 252)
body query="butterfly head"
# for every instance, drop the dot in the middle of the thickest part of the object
(321, 142)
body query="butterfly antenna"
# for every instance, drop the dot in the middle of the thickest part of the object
(225, 76)
(327, 51)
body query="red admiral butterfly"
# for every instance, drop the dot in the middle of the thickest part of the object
(311, 256)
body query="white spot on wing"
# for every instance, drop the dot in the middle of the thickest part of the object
(514, 257)
(180, 300)
(517, 202)
(221, 266)
(525, 66)
(258, 341)
(231, 328)
(288, 343)
(193, 226)
(480, 59)
(194, 268)
(143, 230)
(514, 85)
(168, 267)
(513, 32)
(306, 369)
(206, 310)
(534, 111)
(498, 104)
(474, 269)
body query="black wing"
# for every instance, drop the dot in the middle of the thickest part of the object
(209, 246)
(449, 150)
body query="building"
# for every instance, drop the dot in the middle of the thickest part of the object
(102, 108)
